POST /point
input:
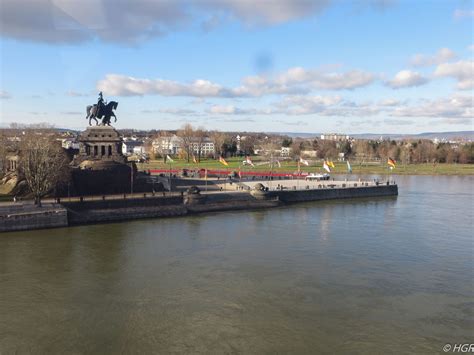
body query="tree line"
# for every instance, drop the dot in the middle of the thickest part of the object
(404, 151)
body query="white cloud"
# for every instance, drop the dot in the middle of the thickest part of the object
(232, 110)
(179, 111)
(269, 11)
(5, 95)
(121, 85)
(293, 123)
(398, 122)
(462, 70)
(293, 81)
(389, 102)
(460, 14)
(324, 80)
(455, 107)
(303, 105)
(442, 56)
(406, 78)
(295, 105)
(227, 109)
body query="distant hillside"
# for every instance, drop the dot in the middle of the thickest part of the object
(464, 135)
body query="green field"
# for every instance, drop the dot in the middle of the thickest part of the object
(341, 167)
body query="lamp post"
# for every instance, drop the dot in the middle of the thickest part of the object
(131, 178)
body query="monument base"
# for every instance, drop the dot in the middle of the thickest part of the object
(100, 167)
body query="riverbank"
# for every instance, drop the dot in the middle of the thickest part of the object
(340, 167)
(266, 194)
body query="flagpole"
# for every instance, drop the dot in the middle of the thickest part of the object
(271, 170)
(298, 175)
(171, 188)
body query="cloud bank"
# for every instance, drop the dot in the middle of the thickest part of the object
(130, 21)
(406, 78)
(442, 56)
(462, 71)
(293, 81)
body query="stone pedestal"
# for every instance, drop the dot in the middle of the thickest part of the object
(100, 143)
(100, 167)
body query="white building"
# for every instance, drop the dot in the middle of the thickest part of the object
(206, 145)
(174, 145)
(334, 137)
(133, 148)
(285, 151)
(69, 143)
(167, 145)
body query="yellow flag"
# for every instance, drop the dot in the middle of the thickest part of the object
(222, 161)
(391, 162)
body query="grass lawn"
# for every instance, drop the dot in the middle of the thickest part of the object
(341, 168)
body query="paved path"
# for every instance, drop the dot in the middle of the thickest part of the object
(301, 184)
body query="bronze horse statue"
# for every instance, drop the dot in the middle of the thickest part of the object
(105, 112)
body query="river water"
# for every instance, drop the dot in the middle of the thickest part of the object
(386, 275)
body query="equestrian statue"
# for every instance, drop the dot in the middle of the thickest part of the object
(101, 111)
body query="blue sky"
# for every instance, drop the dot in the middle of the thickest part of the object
(375, 66)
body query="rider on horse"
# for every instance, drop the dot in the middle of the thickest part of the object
(101, 109)
(100, 106)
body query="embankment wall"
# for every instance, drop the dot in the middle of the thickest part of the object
(293, 196)
(14, 218)
(120, 210)
(40, 218)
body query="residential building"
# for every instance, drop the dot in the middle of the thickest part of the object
(70, 143)
(174, 145)
(167, 145)
(133, 147)
(206, 146)
(285, 151)
(335, 137)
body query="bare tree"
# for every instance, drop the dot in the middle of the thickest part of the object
(247, 144)
(3, 153)
(218, 138)
(296, 148)
(161, 143)
(43, 164)
(186, 133)
(200, 136)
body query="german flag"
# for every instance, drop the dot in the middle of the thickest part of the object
(222, 161)
(391, 162)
